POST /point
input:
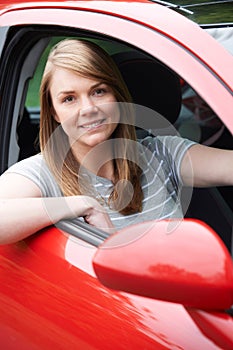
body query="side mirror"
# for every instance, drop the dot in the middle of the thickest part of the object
(177, 261)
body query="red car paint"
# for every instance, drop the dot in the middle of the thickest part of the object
(50, 297)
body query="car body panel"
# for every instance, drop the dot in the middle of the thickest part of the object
(212, 325)
(36, 276)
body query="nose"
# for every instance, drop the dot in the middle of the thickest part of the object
(87, 106)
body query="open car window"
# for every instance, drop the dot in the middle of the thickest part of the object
(196, 120)
(185, 109)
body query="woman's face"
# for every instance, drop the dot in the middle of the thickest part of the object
(86, 108)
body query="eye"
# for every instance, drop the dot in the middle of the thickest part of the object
(99, 92)
(68, 99)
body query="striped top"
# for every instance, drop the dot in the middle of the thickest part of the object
(160, 159)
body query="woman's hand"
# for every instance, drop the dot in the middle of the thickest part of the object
(93, 213)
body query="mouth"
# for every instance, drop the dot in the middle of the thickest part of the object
(93, 125)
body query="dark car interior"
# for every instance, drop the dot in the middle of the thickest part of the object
(157, 87)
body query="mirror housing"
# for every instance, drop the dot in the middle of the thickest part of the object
(172, 260)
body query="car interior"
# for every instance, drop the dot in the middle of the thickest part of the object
(166, 95)
(157, 87)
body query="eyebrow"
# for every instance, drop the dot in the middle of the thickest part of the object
(73, 91)
(65, 92)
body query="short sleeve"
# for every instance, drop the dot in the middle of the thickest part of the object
(174, 149)
(36, 170)
(170, 150)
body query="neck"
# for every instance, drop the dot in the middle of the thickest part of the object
(107, 170)
(98, 160)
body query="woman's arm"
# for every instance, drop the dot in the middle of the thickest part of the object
(23, 211)
(204, 166)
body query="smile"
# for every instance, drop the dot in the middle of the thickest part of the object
(93, 125)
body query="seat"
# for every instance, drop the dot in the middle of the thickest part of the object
(150, 83)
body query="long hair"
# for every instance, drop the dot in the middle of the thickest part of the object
(90, 61)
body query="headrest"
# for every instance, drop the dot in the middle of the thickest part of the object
(151, 83)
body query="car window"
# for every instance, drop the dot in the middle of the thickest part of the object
(191, 116)
(196, 120)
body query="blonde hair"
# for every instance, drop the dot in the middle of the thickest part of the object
(90, 61)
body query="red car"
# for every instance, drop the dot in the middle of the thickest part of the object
(155, 285)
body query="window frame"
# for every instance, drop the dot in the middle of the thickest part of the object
(133, 33)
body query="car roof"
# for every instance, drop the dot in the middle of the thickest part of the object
(203, 12)
(143, 11)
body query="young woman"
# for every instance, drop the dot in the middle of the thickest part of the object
(91, 165)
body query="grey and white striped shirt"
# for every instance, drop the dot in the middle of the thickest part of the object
(161, 182)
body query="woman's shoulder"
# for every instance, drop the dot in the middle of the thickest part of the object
(169, 141)
(36, 169)
(30, 162)
(164, 147)
(154, 142)
(32, 166)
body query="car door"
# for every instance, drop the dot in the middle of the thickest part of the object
(50, 297)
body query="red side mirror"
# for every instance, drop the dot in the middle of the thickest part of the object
(177, 261)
